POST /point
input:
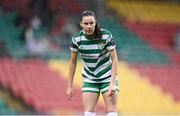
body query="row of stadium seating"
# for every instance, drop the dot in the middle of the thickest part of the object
(146, 11)
(158, 35)
(21, 6)
(27, 7)
(71, 6)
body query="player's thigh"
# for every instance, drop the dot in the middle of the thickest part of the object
(110, 102)
(90, 95)
(90, 100)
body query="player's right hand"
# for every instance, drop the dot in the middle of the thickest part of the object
(69, 93)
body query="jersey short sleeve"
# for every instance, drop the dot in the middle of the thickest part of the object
(74, 45)
(110, 43)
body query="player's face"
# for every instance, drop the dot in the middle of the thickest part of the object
(88, 24)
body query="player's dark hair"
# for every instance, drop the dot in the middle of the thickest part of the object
(97, 30)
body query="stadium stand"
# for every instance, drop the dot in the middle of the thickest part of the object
(74, 7)
(23, 78)
(131, 48)
(35, 84)
(155, 23)
(158, 35)
(147, 11)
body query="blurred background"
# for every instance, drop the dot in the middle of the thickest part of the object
(34, 55)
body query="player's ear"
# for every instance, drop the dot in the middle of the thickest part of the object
(80, 23)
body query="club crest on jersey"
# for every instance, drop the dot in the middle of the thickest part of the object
(101, 45)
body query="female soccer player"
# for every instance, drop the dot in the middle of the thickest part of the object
(97, 48)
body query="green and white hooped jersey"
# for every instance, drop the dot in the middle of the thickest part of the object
(97, 67)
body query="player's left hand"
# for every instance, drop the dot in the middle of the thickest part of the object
(111, 90)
